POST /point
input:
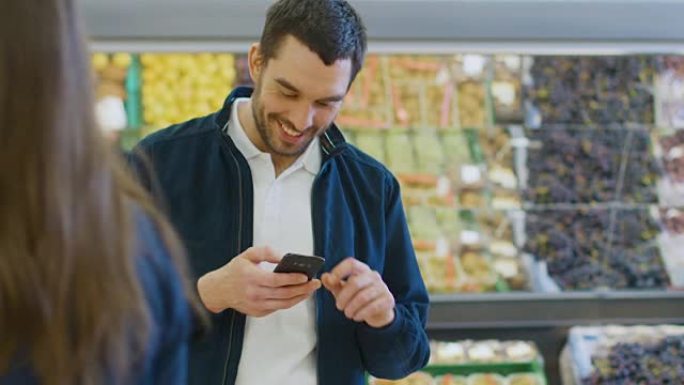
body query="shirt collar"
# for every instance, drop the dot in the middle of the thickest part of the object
(237, 133)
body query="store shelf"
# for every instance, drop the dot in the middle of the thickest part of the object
(546, 318)
(528, 310)
(417, 26)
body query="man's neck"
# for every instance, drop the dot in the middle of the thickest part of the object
(280, 163)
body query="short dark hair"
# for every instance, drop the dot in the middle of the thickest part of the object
(330, 28)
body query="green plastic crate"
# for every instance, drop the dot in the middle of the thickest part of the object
(504, 369)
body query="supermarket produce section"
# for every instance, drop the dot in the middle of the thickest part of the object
(541, 192)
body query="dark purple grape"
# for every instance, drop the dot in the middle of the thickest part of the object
(582, 254)
(634, 363)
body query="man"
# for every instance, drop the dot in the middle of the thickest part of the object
(271, 170)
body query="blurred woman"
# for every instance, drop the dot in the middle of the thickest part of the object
(91, 279)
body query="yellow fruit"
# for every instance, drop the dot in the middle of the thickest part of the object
(99, 61)
(122, 60)
(149, 77)
(185, 85)
(226, 60)
(228, 74)
(148, 59)
(205, 57)
(214, 68)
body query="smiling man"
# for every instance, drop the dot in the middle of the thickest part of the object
(270, 173)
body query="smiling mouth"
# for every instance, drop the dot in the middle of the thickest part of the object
(290, 131)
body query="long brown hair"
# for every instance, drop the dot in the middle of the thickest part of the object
(71, 303)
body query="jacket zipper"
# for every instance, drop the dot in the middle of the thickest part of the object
(316, 226)
(239, 249)
(319, 298)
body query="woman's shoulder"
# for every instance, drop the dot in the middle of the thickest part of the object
(160, 276)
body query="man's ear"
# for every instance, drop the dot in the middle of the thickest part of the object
(256, 61)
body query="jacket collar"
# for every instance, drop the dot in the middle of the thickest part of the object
(332, 140)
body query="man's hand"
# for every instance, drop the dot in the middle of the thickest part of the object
(243, 286)
(360, 293)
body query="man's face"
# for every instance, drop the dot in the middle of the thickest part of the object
(296, 97)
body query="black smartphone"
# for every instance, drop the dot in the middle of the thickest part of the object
(298, 263)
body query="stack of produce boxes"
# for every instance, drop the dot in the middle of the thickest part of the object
(429, 120)
(592, 173)
(476, 141)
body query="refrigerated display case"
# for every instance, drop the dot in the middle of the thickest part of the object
(539, 157)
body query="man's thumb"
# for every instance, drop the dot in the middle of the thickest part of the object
(261, 254)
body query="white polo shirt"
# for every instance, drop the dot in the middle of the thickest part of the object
(281, 347)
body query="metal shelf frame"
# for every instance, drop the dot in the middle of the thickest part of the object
(415, 26)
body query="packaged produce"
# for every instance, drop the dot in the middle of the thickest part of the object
(418, 378)
(471, 104)
(600, 248)
(506, 88)
(486, 379)
(661, 363)
(669, 87)
(372, 143)
(450, 379)
(401, 158)
(525, 379)
(590, 90)
(430, 157)
(673, 155)
(591, 165)
(673, 220)
(367, 105)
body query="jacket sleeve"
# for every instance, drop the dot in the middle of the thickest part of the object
(401, 347)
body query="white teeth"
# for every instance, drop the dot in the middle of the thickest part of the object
(290, 131)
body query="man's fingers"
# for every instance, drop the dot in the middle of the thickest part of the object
(332, 283)
(380, 305)
(361, 299)
(353, 286)
(271, 279)
(349, 267)
(289, 292)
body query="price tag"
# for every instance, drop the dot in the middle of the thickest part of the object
(473, 65)
(442, 248)
(442, 77)
(443, 186)
(507, 267)
(504, 92)
(110, 114)
(470, 237)
(676, 152)
(520, 142)
(512, 62)
(471, 174)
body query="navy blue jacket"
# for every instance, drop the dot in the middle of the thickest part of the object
(169, 340)
(205, 184)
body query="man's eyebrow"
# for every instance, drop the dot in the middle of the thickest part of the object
(284, 83)
(287, 85)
